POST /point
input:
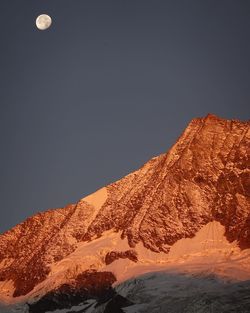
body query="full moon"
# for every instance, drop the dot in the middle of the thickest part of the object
(43, 21)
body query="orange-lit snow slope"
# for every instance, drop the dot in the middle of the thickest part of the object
(208, 251)
(186, 210)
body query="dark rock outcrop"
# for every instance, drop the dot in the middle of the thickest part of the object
(88, 285)
(116, 255)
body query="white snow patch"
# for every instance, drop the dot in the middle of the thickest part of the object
(209, 239)
(91, 254)
(98, 198)
(207, 251)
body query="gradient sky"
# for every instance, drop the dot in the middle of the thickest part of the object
(110, 85)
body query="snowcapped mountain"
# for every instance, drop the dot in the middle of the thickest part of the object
(183, 213)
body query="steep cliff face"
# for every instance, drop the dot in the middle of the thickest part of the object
(204, 177)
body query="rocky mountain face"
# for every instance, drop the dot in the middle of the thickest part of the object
(204, 177)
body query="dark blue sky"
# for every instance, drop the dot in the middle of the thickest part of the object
(108, 86)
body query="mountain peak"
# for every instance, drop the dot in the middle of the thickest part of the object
(202, 179)
(211, 116)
